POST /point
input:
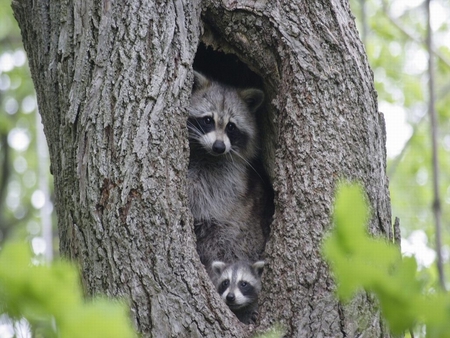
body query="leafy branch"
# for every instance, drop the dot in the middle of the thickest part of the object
(50, 298)
(359, 261)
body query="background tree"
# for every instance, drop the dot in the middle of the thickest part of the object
(289, 200)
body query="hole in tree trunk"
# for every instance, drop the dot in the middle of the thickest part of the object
(229, 70)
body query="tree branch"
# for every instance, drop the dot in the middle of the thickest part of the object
(410, 35)
(434, 135)
(395, 162)
(364, 23)
(5, 225)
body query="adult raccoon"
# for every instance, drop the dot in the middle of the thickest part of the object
(230, 194)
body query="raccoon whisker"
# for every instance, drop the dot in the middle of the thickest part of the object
(249, 164)
(194, 132)
(193, 135)
(231, 157)
(198, 127)
(194, 141)
(194, 138)
(193, 127)
(200, 130)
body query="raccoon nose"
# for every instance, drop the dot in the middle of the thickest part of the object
(231, 297)
(219, 147)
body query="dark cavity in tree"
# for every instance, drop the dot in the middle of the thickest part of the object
(225, 68)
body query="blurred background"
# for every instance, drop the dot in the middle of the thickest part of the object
(26, 185)
(412, 78)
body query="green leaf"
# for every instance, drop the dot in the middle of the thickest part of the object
(50, 298)
(359, 261)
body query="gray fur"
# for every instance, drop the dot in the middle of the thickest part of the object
(230, 196)
(242, 299)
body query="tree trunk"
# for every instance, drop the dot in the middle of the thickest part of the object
(113, 81)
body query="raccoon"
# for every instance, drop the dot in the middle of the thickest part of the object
(239, 285)
(229, 192)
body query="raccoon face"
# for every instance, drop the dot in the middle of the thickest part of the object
(238, 284)
(221, 119)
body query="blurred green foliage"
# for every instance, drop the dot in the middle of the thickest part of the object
(395, 44)
(361, 262)
(50, 298)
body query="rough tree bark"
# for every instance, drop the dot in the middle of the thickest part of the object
(113, 80)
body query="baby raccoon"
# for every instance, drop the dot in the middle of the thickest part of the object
(230, 194)
(239, 285)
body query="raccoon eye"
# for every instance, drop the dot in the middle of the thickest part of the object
(244, 284)
(231, 126)
(225, 283)
(208, 119)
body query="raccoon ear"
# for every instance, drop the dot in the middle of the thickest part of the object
(218, 267)
(200, 81)
(259, 267)
(252, 97)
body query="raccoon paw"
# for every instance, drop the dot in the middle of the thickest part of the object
(253, 317)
